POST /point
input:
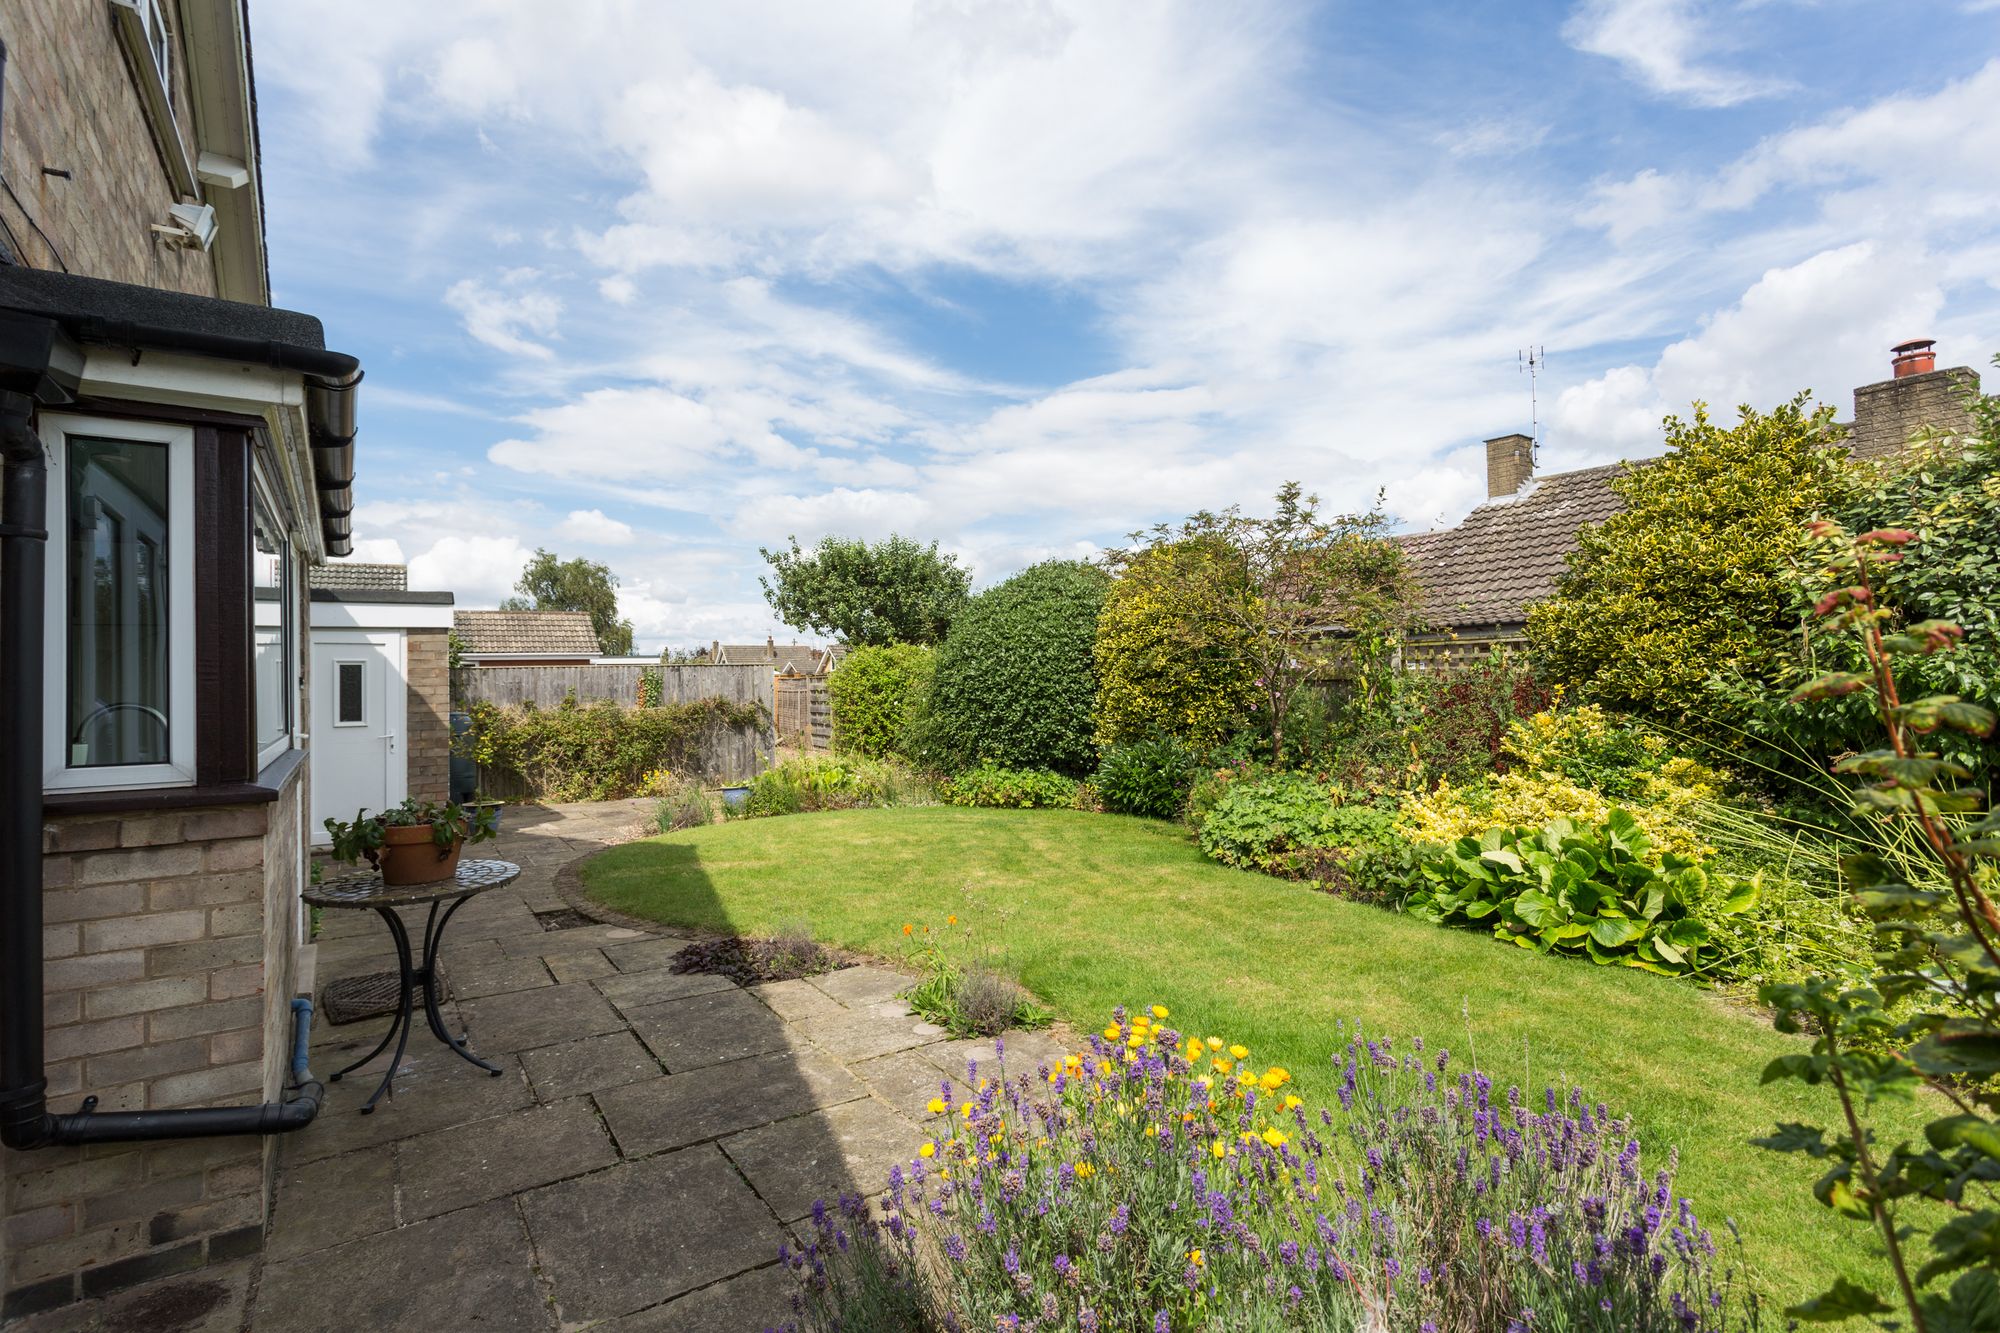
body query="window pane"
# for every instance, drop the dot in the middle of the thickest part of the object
(348, 707)
(118, 609)
(272, 621)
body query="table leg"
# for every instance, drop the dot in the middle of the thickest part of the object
(433, 940)
(405, 1008)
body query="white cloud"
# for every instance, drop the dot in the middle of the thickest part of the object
(596, 528)
(501, 318)
(480, 571)
(1665, 45)
(1824, 324)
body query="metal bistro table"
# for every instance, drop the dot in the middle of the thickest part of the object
(364, 888)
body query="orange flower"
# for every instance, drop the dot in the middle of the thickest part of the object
(908, 928)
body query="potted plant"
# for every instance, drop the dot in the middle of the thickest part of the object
(413, 843)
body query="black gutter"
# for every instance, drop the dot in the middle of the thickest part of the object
(25, 1121)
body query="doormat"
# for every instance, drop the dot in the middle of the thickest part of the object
(351, 999)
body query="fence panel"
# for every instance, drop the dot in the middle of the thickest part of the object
(734, 754)
(805, 717)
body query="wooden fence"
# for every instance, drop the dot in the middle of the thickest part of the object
(731, 755)
(805, 718)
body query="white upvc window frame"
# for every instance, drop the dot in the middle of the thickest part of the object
(179, 770)
(263, 494)
(338, 721)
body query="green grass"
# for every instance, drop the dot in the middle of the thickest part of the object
(1091, 911)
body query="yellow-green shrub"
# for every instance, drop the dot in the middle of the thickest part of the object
(1159, 671)
(1522, 799)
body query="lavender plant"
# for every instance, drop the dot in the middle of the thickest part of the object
(1165, 1182)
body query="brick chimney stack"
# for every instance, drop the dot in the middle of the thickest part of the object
(1917, 394)
(1510, 464)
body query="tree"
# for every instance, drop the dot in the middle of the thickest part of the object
(549, 583)
(892, 591)
(1694, 576)
(1162, 668)
(874, 694)
(1297, 597)
(1014, 680)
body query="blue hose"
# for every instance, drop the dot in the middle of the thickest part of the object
(302, 1021)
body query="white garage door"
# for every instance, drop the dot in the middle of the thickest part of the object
(358, 714)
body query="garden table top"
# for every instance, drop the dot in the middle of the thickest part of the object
(364, 888)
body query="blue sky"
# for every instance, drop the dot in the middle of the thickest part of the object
(663, 284)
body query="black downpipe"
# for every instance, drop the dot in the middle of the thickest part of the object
(25, 1121)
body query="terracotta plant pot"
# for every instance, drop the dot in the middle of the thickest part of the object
(409, 856)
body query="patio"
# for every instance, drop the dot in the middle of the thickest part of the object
(649, 1143)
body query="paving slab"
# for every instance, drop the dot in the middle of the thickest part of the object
(472, 981)
(793, 1000)
(747, 1303)
(710, 1029)
(644, 1232)
(523, 1020)
(681, 1109)
(470, 1270)
(847, 1148)
(646, 955)
(552, 942)
(332, 1201)
(906, 1080)
(490, 1159)
(582, 965)
(863, 1034)
(862, 985)
(433, 1096)
(1021, 1053)
(636, 990)
(573, 1068)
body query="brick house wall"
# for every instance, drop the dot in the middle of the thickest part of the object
(427, 665)
(72, 105)
(170, 939)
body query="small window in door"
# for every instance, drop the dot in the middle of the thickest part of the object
(350, 707)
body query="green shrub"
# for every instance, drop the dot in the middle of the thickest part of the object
(683, 804)
(1259, 820)
(600, 752)
(1014, 681)
(1149, 777)
(1592, 891)
(874, 694)
(812, 782)
(1020, 788)
(1162, 669)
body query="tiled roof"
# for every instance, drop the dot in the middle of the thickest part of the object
(799, 658)
(347, 574)
(1508, 553)
(567, 633)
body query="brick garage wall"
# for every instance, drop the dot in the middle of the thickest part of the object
(72, 104)
(169, 942)
(427, 659)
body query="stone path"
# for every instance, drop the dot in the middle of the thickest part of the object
(651, 1140)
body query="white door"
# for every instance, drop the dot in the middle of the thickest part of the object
(359, 702)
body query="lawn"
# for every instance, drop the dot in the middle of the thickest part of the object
(1091, 911)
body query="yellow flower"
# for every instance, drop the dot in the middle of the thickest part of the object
(1112, 1033)
(1245, 1078)
(1215, 1043)
(1219, 1149)
(928, 1150)
(1136, 1040)
(1293, 1102)
(1221, 1065)
(951, 921)
(965, 1109)
(1275, 1137)
(1084, 1170)
(936, 1106)
(1275, 1078)
(908, 928)
(1194, 1257)
(1240, 1052)
(1152, 1131)
(1159, 1011)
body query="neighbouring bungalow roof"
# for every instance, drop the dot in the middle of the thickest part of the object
(793, 658)
(1508, 553)
(528, 633)
(346, 574)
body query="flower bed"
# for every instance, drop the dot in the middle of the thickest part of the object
(1164, 1181)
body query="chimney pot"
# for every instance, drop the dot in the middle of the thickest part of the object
(1510, 464)
(1917, 356)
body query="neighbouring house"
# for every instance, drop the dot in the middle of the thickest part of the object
(1480, 577)
(830, 657)
(784, 659)
(381, 723)
(177, 455)
(524, 638)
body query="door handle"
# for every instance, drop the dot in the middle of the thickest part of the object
(390, 737)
